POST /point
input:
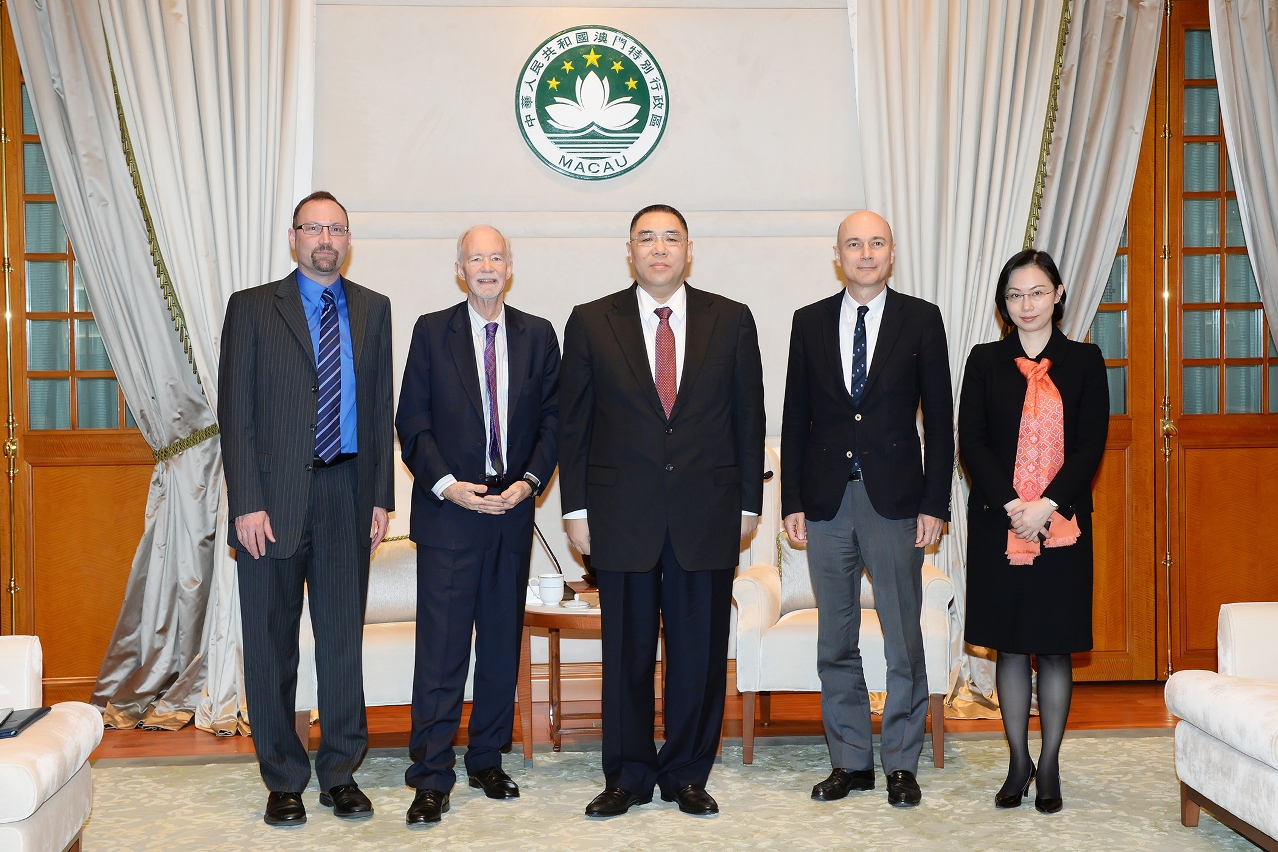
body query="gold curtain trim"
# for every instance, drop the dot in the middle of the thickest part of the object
(157, 257)
(395, 538)
(1049, 128)
(183, 444)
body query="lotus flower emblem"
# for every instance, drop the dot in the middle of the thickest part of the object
(592, 107)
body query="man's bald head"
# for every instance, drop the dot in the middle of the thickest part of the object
(865, 251)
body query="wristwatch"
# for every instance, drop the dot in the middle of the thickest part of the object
(532, 483)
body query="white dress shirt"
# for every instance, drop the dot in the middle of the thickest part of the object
(480, 338)
(847, 332)
(648, 319)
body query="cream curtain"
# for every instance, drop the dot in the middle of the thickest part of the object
(1244, 40)
(1106, 81)
(952, 98)
(219, 100)
(157, 674)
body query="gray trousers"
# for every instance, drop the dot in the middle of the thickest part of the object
(858, 537)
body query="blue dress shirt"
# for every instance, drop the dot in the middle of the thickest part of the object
(313, 302)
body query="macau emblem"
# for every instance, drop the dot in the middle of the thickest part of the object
(592, 102)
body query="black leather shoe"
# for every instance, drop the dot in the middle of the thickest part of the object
(841, 782)
(429, 806)
(496, 783)
(614, 802)
(1013, 800)
(285, 809)
(693, 800)
(347, 801)
(903, 790)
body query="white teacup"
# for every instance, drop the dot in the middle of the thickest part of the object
(550, 588)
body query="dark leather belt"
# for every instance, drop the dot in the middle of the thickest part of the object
(496, 483)
(340, 458)
(855, 476)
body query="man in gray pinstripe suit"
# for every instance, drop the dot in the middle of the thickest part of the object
(305, 407)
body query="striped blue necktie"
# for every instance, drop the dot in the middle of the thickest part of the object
(328, 432)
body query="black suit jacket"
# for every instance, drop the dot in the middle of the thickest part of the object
(990, 407)
(640, 474)
(821, 428)
(268, 404)
(441, 421)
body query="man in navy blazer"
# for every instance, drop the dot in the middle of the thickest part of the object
(472, 519)
(857, 489)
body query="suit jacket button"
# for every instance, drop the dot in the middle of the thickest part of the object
(314, 388)
(669, 430)
(849, 454)
(308, 467)
(312, 427)
(986, 507)
(669, 467)
(857, 418)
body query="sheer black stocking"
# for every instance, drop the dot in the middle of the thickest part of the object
(1013, 680)
(1055, 688)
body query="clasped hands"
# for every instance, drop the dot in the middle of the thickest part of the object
(475, 497)
(1029, 517)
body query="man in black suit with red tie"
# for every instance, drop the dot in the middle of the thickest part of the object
(478, 412)
(856, 488)
(661, 471)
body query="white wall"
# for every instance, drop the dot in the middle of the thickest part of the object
(416, 134)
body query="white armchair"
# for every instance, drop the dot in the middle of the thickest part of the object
(1227, 739)
(44, 772)
(776, 632)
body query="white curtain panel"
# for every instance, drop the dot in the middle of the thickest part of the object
(157, 673)
(1244, 39)
(1106, 82)
(219, 100)
(952, 99)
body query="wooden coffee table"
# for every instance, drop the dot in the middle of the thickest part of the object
(554, 619)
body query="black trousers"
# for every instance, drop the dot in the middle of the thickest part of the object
(332, 561)
(479, 589)
(696, 607)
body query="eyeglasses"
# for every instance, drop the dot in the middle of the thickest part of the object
(1032, 295)
(648, 239)
(314, 229)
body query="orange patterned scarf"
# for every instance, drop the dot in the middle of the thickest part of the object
(1040, 452)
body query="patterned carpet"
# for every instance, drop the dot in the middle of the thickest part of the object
(1120, 793)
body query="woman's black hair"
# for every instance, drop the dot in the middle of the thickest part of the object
(1020, 260)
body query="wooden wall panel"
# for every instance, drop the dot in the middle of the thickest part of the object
(86, 524)
(1228, 514)
(1111, 598)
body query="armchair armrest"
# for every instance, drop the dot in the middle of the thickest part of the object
(21, 672)
(757, 593)
(1245, 640)
(938, 594)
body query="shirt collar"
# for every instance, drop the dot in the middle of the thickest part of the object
(677, 303)
(477, 322)
(312, 291)
(875, 306)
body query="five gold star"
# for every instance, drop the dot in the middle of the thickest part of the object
(616, 66)
(632, 83)
(552, 83)
(567, 66)
(592, 58)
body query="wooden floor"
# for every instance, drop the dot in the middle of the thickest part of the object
(1096, 706)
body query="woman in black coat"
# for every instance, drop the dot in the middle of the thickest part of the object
(1029, 547)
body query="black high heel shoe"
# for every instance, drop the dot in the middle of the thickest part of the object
(1013, 800)
(1048, 806)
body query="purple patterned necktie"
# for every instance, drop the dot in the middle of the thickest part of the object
(328, 432)
(490, 379)
(667, 388)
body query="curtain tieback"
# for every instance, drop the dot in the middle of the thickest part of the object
(184, 444)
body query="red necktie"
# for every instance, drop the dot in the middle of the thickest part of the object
(665, 361)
